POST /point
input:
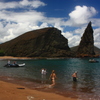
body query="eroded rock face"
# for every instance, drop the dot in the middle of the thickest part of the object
(47, 42)
(86, 46)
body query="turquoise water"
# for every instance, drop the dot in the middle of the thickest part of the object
(88, 85)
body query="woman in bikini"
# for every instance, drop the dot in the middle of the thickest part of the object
(53, 77)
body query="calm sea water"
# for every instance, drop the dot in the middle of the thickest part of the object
(87, 87)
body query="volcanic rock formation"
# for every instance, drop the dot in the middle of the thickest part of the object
(47, 42)
(86, 46)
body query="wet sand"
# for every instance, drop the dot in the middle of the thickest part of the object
(11, 91)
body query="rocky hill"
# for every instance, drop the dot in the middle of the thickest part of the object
(47, 42)
(86, 46)
(96, 50)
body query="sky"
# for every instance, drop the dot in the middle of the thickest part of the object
(69, 16)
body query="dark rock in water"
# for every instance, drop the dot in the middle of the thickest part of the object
(47, 42)
(86, 46)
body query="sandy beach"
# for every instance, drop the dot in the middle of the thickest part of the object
(11, 57)
(9, 91)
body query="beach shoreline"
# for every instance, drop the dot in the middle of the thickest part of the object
(68, 89)
(14, 91)
(11, 57)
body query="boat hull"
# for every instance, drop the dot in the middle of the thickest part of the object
(14, 65)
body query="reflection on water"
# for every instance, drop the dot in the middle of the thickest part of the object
(43, 78)
(74, 86)
(88, 75)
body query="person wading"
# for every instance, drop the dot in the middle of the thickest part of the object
(74, 75)
(53, 77)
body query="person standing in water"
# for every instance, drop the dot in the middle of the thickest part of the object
(43, 75)
(53, 77)
(45, 72)
(42, 71)
(74, 75)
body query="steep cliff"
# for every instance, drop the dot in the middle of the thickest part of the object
(86, 46)
(47, 42)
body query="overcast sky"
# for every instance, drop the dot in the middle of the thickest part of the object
(70, 16)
